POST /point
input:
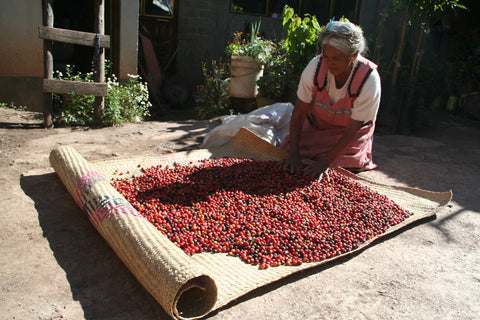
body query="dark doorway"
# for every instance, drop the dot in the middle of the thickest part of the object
(79, 15)
(158, 22)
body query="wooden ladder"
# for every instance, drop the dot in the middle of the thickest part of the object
(98, 40)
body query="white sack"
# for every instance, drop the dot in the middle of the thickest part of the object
(271, 123)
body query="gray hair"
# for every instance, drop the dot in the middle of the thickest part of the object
(343, 36)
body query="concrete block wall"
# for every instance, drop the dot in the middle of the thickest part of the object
(204, 29)
(199, 26)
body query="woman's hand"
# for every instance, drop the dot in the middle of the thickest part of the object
(299, 113)
(317, 168)
(293, 163)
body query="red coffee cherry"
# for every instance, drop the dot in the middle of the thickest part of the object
(258, 211)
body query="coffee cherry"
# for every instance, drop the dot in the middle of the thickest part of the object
(258, 211)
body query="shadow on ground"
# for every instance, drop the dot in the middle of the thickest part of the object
(99, 281)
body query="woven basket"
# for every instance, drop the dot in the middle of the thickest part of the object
(191, 287)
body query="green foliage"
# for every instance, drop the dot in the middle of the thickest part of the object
(73, 109)
(13, 106)
(214, 95)
(301, 37)
(423, 8)
(125, 102)
(279, 77)
(251, 45)
(420, 12)
(291, 55)
(235, 8)
(417, 17)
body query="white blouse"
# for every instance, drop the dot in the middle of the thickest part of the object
(365, 107)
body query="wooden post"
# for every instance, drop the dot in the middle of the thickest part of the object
(99, 58)
(48, 64)
(98, 40)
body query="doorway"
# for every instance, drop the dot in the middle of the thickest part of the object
(79, 15)
(158, 22)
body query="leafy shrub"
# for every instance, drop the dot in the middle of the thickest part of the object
(12, 106)
(284, 68)
(213, 97)
(283, 63)
(301, 37)
(125, 102)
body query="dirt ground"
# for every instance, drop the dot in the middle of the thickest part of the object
(54, 265)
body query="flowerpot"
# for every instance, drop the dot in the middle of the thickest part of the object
(244, 73)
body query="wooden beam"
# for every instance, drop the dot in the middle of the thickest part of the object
(70, 36)
(84, 88)
(99, 60)
(47, 64)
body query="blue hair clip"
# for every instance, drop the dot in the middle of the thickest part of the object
(330, 23)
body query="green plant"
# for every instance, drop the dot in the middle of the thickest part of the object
(291, 55)
(236, 9)
(301, 37)
(275, 82)
(125, 102)
(251, 45)
(12, 106)
(213, 97)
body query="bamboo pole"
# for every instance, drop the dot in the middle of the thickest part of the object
(418, 54)
(400, 49)
(378, 43)
(332, 8)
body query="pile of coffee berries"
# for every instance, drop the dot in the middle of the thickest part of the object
(259, 211)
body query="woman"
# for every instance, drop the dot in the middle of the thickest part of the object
(337, 103)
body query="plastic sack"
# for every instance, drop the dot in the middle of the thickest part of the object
(271, 123)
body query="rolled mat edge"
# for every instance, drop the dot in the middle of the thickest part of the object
(164, 270)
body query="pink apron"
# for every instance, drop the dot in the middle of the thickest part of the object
(325, 123)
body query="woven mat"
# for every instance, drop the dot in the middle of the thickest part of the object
(191, 287)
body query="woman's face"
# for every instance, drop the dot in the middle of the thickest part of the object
(338, 63)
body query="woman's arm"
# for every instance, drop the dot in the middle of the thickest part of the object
(299, 114)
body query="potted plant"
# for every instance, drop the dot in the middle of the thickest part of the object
(248, 56)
